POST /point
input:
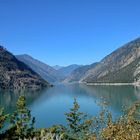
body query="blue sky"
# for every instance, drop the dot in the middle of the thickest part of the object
(67, 32)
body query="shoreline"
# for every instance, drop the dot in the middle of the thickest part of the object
(113, 84)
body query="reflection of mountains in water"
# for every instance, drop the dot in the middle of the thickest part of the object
(8, 98)
(116, 96)
(137, 92)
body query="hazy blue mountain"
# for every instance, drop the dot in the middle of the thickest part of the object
(77, 74)
(14, 74)
(44, 70)
(122, 65)
(66, 71)
(57, 67)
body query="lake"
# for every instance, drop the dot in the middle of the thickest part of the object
(49, 105)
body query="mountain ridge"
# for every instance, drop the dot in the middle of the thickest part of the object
(67, 70)
(115, 61)
(45, 71)
(77, 74)
(57, 67)
(14, 74)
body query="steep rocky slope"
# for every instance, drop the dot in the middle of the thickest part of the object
(128, 74)
(120, 66)
(45, 71)
(16, 75)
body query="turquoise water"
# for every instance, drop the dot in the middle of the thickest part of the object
(49, 105)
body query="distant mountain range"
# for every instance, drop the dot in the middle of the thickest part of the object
(14, 74)
(78, 73)
(57, 67)
(45, 71)
(121, 66)
(51, 74)
(66, 71)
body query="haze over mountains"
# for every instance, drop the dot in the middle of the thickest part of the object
(45, 71)
(121, 66)
(66, 71)
(57, 67)
(78, 73)
(51, 74)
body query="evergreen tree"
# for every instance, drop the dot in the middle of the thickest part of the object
(21, 121)
(79, 125)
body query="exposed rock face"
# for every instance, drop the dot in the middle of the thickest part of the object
(45, 71)
(77, 74)
(126, 74)
(120, 66)
(14, 74)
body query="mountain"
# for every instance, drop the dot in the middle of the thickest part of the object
(128, 74)
(121, 66)
(44, 70)
(66, 71)
(77, 74)
(57, 67)
(14, 74)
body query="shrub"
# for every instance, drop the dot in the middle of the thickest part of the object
(2, 118)
(126, 127)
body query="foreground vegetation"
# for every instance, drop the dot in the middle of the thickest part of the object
(80, 126)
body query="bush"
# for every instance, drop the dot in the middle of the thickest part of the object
(126, 127)
(2, 118)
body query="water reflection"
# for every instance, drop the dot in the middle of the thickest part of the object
(49, 105)
(8, 98)
(116, 96)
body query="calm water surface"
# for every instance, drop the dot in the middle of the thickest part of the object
(49, 105)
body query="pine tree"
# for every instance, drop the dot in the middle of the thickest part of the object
(21, 121)
(79, 125)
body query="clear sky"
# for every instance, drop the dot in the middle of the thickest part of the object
(67, 32)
